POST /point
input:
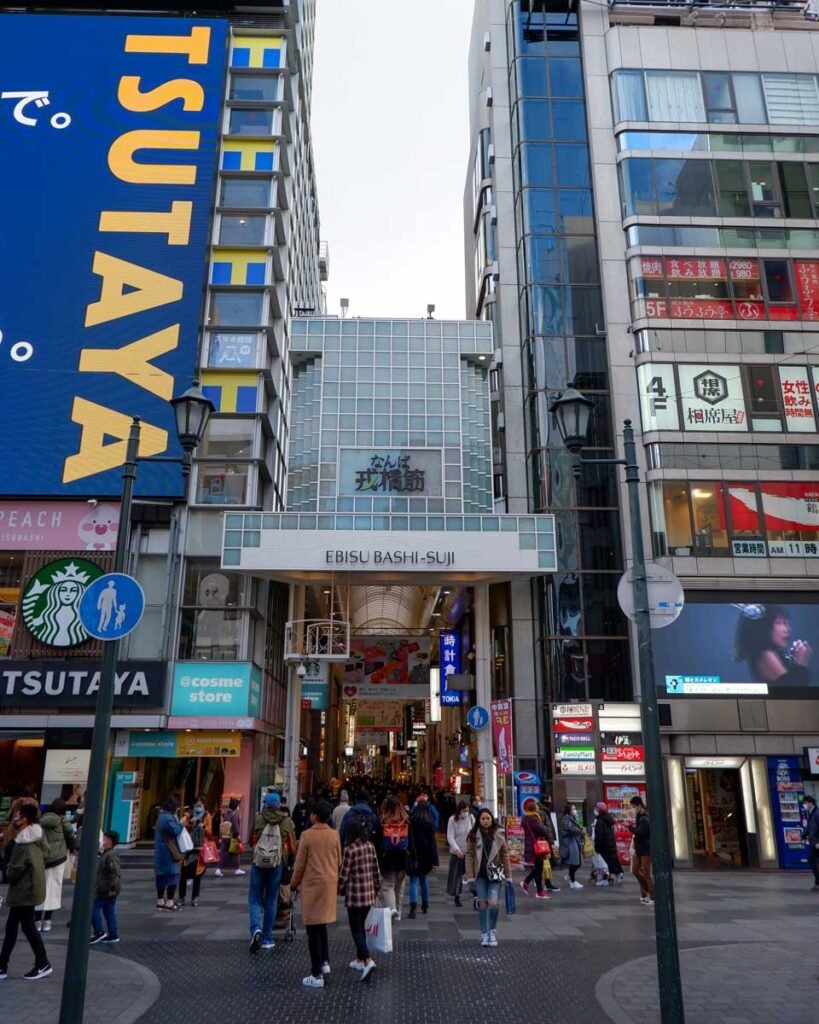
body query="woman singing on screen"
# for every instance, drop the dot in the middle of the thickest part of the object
(763, 640)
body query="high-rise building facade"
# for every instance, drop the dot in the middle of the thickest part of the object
(641, 221)
(200, 701)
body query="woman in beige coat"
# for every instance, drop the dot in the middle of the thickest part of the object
(318, 862)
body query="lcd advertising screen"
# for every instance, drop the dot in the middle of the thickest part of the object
(766, 647)
(109, 130)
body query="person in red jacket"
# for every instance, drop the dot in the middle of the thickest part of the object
(533, 831)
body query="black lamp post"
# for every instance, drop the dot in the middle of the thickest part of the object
(192, 411)
(572, 413)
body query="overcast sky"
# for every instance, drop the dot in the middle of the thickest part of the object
(390, 132)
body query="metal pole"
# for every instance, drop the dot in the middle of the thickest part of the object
(668, 956)
(76, 960)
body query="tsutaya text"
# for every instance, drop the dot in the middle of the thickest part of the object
(399, 557)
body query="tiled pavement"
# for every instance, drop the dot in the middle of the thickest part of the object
(748, 943)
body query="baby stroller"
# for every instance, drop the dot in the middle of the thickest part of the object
(286, 914)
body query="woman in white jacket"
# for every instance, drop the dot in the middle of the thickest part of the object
(457, 830)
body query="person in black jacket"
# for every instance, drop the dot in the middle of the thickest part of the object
(605, 843)
(811, 835)
(641, 859)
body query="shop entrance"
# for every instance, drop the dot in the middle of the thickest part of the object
(716, 817)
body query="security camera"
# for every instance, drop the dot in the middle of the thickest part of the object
(301, 671)
(92, 502)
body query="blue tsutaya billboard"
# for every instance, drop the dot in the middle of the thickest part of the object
(109, 130)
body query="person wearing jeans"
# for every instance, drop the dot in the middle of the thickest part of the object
(265, 882)
(487, 865)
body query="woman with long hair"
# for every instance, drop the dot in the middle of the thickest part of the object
(488, 866)
(394, 856)
(571, 844)
(763, 640)
(534, 831)
(198, 821)
(457, 829)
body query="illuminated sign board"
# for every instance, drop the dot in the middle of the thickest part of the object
(106, 190)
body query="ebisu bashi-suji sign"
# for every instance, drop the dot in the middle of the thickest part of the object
(109, 132)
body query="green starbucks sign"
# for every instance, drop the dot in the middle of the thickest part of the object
(51, 601)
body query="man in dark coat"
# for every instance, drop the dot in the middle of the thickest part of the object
(605, 843)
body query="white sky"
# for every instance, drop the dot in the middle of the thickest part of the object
(391, 133)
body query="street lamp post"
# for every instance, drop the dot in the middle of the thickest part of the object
(192, 412)
(572, 412)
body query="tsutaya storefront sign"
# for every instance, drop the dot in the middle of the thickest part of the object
(499, 547)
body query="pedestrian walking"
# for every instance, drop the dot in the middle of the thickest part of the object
(199, 823)
(58, 834)
(229, 844)
(487, 867)
(641, 856)
(395, 853)
(423, 852)
(316, 871)
(363, 814)
(536, 849)
(458, 827)
(571, 844)
(301, 814)
(360, 882)
(25, 852)
(167, 863)
(549, 819)
(274, 844)
(811, 836)
(341, 810)
(109, 882)
(605, 843)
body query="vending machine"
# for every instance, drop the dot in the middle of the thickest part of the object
(125, 799)
(787, 793)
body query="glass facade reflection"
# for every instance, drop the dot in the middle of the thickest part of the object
(583, 634)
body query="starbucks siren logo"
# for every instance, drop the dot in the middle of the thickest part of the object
(51, 601)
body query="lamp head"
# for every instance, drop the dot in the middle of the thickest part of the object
(572, 413)
(192, 411)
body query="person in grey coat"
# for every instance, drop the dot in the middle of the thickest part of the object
(571, 844)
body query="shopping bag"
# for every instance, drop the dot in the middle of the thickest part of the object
(588, 845)
(509, 895)
(547, 870)
(184, 841)
(542, 847)
(235, 846)
(600, 865)
(378, 927)
(210, 852)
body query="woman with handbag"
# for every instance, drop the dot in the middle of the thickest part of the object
(199, 824)
(572, 839)
(168, 857)
(536, 848)
(229, 845)
(457, 829)
(487, 866)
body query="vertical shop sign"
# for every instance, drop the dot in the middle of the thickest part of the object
(658, 397)
(502, 731)
(806, 273)
(450, 655)
(795, 388)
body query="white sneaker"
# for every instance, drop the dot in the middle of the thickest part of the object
(493, 941)
(217, 873)
(367, 969)
(238, 871)
(311, 982)
(484, 938)
(325, 969)
(269, 945)
(357, 965)
(644, 900)
(575, 885)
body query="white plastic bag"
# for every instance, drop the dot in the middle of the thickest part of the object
(600, 865)
(378, 927)
(184, 841)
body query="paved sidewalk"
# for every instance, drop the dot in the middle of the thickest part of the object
(119, 991)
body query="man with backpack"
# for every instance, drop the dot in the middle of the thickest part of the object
(362, 813)
(274, 847)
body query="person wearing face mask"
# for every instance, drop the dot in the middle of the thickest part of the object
(571, 844)
(25, 870)
(199, 823)
(487, 867)
(457, 829)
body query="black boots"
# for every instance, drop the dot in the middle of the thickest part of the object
(412, 911)
(424, 908)
(458, 901)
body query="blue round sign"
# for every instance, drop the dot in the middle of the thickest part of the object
(477, 717)
(112, 606)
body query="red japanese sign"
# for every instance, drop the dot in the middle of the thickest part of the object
(783, 313)
(744, 270)
(623, 753)
(702, 309)
(695, 269)
(807, 287)
(651, 266)
(750, 310)
(502, 730)
(573, 724)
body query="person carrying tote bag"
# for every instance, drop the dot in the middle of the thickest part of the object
(536, 848)
(457, 829)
